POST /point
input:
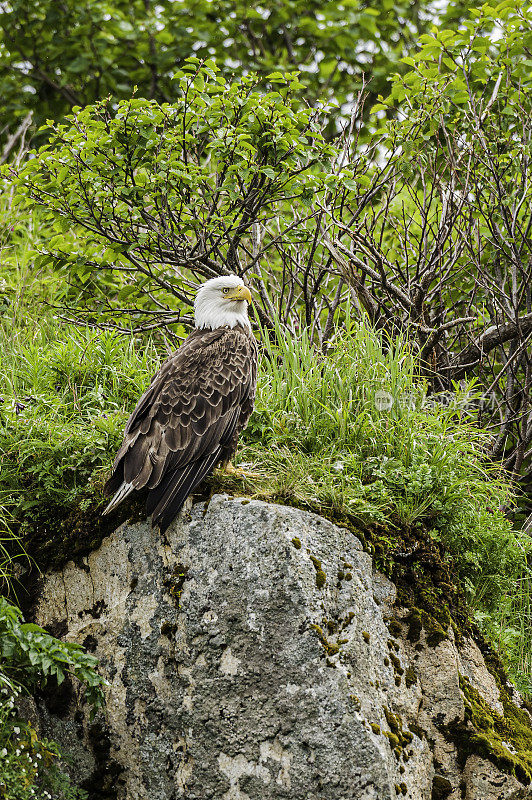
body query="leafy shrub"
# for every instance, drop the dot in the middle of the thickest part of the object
(29, 767)
(29, 656)
(136, 195)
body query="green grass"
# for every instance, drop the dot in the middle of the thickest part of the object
(321, 436)
(64, 405)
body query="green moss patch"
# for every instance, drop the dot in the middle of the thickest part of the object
(321, 578)
(397, 737)
(506, 740)
(410, 677)
(331, 648)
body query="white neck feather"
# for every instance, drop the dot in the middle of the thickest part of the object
(211, 312)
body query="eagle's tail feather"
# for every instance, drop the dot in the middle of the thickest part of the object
(183, 483)
(115, 480)
(124, 490)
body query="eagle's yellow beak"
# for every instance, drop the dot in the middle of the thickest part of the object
(240, 293)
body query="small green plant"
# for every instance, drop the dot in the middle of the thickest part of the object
(29, 767)
(29, 656)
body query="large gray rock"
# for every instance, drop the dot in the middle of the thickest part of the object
(249, 657)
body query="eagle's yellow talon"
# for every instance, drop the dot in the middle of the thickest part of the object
(231, 471)
(236, 472)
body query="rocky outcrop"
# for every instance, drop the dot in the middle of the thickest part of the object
(254, 653)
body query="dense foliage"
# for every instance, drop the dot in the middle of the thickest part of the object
(177, 187)
(427, 227)
(354, 430)
(54, 56)
(465, 121)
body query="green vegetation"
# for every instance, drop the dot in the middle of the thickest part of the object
(426, 227)
(29, 656)
(505, 740)
(29, 767)
(221, 156)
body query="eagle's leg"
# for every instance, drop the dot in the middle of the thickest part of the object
(227, 468)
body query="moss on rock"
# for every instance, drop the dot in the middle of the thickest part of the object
(331, 648)
(506, 740)
(321, 578)
(397, 737)
(296, 542)
(410, 677)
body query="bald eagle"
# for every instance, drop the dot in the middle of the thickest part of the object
(190, 417)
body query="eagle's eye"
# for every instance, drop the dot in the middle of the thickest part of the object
(224, 291)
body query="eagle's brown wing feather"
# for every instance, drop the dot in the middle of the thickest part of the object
(187, 420)
(166, 500)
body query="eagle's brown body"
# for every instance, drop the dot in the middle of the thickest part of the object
(187, 421)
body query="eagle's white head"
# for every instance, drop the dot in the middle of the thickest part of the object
(222, 302)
